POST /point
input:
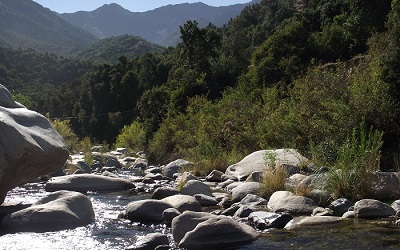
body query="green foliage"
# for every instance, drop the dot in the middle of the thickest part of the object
(86, 147)
(132, 137)
(110, 49)
(63, 127)
(357, 156)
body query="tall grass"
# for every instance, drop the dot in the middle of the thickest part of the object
(274, 178)
(357, 157)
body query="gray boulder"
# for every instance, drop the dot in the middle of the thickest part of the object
(214, 176)
(183, 203)
(371, 209)
(295, 205)
(384, 185)
(112, 162)
(258, 161)
(252, 199)
(396, 205)
(307, 221)
(191, 230)
(193, 187)
(149, 242)
(263, 220)
(169, 214)
(146, 211)
(206, 200)
(174, 167)
(245, 188)
(340, 206)
(277, 197)
(163, 192)
(29, 145)
(87, 182)
(56, 211)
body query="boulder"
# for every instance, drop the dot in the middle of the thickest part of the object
(149, 242)
(340, 206)
(163, 192)
(277, 197)
(169, 214)
(245, 188)
(255, 176)
(263, 220)
(206, 200)
(193, 187)
(214, 176)
(56, 211)
(396, 205)
(295, 205)
(384, 186)
(371, 209)
(112, 162)
(146, 211)
(307, 221)
(293, 181)
(29, 145)
(191, 230)
(258, 161)
(174, 167)
(87, 182)
(183, 203)
(244, 211)
(252, 199)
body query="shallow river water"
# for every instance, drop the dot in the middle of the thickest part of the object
(108, 232)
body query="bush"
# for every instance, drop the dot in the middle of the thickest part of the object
(357, 157)
(273, 180)
(64, 129)
(132, 137)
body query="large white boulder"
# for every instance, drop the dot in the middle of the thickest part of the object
(29, 145)
(264, 160)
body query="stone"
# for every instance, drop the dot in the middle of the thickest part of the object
(163, 192)
(252, 199)
(224, 184)
(169, 214)
(191, 230)
(396, 205)
(206, 200)
(84, 166)
(255, 176)
(56, 211)
(295, 205)
(214, 176)
(239, 192)
(244, 211)
(183, 203)
(87, 182)
(184, 178)
(277, 197)
(193, 187)
(226, 202)
(232, 186)
(149, 241)
(101, 157)
(112, 162)
(293, 181)
(340, 206)
(257, 162)
(146, 211)
(156, 177)
(29, 145)
(174, 167)
(321, 211)
(226, 177)
(349, 214)
(307, 221)
(230, 211)
(263, 220)
(153, 170)
(384, 185)
(372, 209)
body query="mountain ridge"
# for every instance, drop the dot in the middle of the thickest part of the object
(156, 26)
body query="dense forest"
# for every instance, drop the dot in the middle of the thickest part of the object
(284, 73)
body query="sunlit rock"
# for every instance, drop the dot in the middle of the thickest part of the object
(29, 145)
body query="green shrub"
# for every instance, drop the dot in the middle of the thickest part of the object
(63, 127)
(132, 137)
(358, 156)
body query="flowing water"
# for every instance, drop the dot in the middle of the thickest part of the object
(108, 232)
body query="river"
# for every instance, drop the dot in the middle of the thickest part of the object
(109, 232)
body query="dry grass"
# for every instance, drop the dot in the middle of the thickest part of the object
(272, 181)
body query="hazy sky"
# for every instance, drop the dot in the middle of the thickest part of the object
(67, 6)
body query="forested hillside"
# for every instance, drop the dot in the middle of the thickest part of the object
(26, 24)
(284, 73)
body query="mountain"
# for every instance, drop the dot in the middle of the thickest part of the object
(26, 24)
(110, 49)
(160, 26)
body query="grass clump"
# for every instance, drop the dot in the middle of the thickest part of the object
(357, 157)
(273, 179)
